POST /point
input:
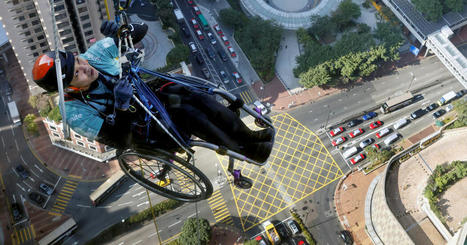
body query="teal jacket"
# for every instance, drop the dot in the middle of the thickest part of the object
(82, 118)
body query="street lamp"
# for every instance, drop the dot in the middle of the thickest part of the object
(411, 81)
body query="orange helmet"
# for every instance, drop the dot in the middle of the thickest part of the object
(44, 73)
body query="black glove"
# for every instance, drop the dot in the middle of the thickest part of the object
(123, 92)
(109, 28)
(137, 30)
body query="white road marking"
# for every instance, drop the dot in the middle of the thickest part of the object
(35, 174)
(123, 204)
(31, 179)
(140, 241)
(35, 165)
(20, 187)
(28, 186)
(83, 206)
(138, 194)
(12, 131)
(144, 203)
(3, 142)
(174, 224)
(14, 198)
(153, 234)
(7, 158)
(191, 215)
(109, 206)
(17, 147)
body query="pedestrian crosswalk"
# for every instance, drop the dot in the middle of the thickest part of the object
(219, 208)
(247, 96)
(63, 198)
(22, 235)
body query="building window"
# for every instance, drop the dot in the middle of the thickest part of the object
(92, 148)
(60, 16)
(52, 127)
(40, 37)
(70, 48)
(77, 136)
(35, 54)
(35, 22)
(59, 7)
(63, 24)
(37, 30)
(84, 17)
(32, 15)
(88, 33)
(30, 40)
(79, 1)
(33, 47)
(67, 31)
(27, 33)
(67, 40)
(24, 26)
(80, 143)
(82, 10)
(56, 135)
(87, 25)
(21, 18)
(43, 44)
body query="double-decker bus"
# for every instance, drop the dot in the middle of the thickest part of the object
(57, 235)
(397, 102)
(109, 186)
(203, 22)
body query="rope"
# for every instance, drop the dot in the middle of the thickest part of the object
(66, 128)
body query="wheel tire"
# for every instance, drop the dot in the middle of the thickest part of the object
(181, 172)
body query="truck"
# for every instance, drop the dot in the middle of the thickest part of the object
(447, 98)
(271, 232)
(14, 114)
(179, 15)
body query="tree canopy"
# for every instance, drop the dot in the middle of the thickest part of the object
(195, 232)
(345, 14)
(388, 34)
(434, 9)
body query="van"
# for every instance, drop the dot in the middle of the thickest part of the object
(418, 113)
(350, 152)
(401, 123)
(391, 139)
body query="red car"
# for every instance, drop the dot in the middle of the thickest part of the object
(357, 158)
(338, 141)
(237, 77)
(375, 124)
(196, 9)
(200, 34)
(218, 29)
(232, 52)
(336, 131)
(261, 240)
(195, 23)
(356, 133)
(225, 40)
(189, 2)
(376, 146)
(383, 132)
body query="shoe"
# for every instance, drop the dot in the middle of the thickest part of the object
(266, 134)
(258, 151)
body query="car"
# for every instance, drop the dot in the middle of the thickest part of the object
(282, 230)
(401, 123)
(356, 133)
(439, 113)
(189, 2)
(9, 89)
(46, 189)
(37, 198)
(23, 173)
(16, 211)
(200, 34)
(211, 53)
(237, 77)
(224, 77)
(217, 29)
(366, 142)
(206, 73)
(357, 159)
(377, 146)
(194, 23)
(196, 9)
(185, 31)
(261, 240)
(212, 38)
(293, 227)
(338, 141)
(417, 114)
(336, 131)
(431, 107)
(192, 46)
(354, 122)
(383, 132)
(369, 115)
(199, 59)
(449, 107)
(346, 237)
(375, 124)
(261, 107)
(232, 51)
(222, 55)
(461, 93)
(225, 40)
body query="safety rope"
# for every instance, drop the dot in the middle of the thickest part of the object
(58, 70)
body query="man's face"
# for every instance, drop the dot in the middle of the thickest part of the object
(84, 74)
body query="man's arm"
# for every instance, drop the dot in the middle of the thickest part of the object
(117, 135)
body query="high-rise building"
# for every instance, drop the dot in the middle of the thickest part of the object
(30, 29)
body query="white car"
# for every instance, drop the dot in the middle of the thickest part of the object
(212, 39)
(260, 106)
(449, 107)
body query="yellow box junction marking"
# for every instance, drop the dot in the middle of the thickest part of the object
(219, 209)
(298, 166)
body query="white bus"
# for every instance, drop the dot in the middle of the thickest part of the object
(109, 186)
(14, 114)
(57, 235)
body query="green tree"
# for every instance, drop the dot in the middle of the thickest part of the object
(233, 18)
(316, 76)
(345, 14)
(178, 54)
(432, 9)
(29, 118)
(461, 109)
(55, 115)
(251, 242)
(388, 34)
(32, 128)
(323, 27)
(453, 5)
(195, 232)
(33, 99)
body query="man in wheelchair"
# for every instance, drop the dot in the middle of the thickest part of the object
(100, 107)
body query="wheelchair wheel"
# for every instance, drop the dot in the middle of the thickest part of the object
(166, 174)
(243, 183)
